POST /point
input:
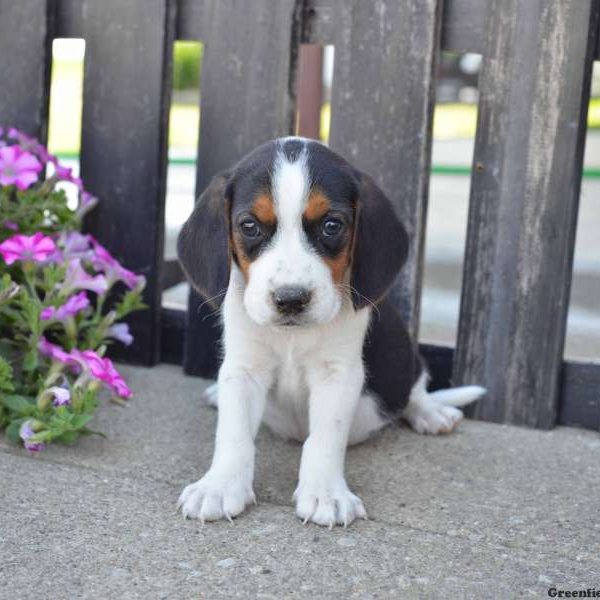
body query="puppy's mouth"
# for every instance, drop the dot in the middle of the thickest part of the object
(289, 322)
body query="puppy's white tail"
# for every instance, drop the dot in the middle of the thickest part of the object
(460, 396)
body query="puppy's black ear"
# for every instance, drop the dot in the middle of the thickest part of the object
(203, 243)
(380, 246)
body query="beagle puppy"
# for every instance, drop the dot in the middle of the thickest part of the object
(300, 249)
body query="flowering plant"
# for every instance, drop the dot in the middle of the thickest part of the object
(57, 307)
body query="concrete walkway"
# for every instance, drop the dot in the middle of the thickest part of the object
(489, 512)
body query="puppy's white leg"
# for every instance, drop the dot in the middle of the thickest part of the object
(438, 412)
(226, 489)
(367, 420)
(322, 495)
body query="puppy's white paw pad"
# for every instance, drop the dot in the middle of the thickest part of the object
(433, 418)
(211, 395)
(216, 497)
(328, 505)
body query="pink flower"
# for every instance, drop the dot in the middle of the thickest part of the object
(75, 304)
(30, 144)
(63, 173)
(36, 247)
(77, 278)
(120, 332)
(18, 167)
(55, 352)
(104, 261)
(103, 370)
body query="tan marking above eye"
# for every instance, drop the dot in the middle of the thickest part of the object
(317, 207)
(264, 210)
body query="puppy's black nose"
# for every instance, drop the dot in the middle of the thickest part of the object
(291, 299)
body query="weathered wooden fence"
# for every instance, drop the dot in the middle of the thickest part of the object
(534, 86)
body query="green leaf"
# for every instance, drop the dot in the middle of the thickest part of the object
(12, 431)
(6, 375)
(31, 360)
(68, 437)
(45, 436)
(18, 404)
(79, 421)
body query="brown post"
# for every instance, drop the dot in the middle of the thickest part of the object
(310, 91)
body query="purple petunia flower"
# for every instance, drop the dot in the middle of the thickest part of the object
(62, 396)
(26, 432)
(18, 167)
(73, 244)
(11, 225)
(36, 247)
(75, 304)
(104, 261)
(30, 144)
(120, 332)
(77, 278)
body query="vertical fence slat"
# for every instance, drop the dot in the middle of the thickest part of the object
(69, 18)
(246, 100)
(382, 105)
(463, 28)
(523, 209)
(26, 29)
(124, 145)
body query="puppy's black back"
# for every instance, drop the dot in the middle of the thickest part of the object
(391, 360)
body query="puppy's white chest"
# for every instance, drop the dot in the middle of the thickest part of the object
(286, 411)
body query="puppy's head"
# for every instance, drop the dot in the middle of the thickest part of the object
(308, 232)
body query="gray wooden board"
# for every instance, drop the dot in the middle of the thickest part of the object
(246, 100)
(70, 18)
(580, 392)
(463, 28)
(462, 23)
(382, 106)
(25, 51)
(527, 170)
(597, 55)
(124, 141)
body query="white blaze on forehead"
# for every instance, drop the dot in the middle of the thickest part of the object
(291, 185)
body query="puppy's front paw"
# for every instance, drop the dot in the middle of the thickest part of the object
(328, 503)
(216, 496)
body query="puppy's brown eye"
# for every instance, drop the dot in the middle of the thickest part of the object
(332, 227)
(250, 228)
